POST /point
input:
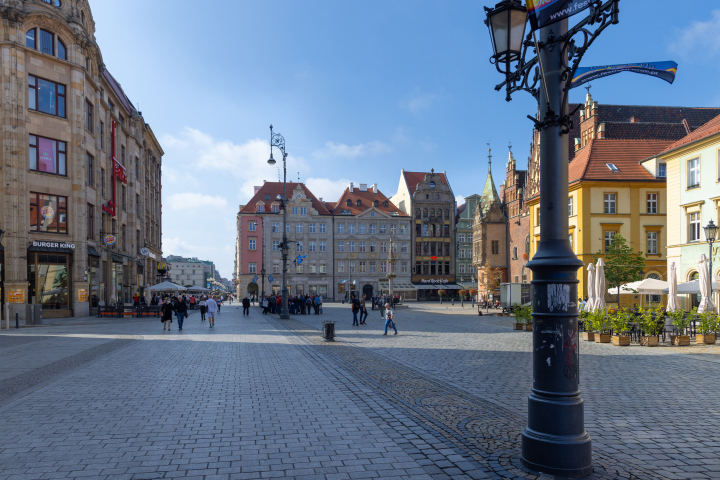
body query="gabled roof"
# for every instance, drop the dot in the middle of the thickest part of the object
(709, 129)
(273, 189)
(366, 201)
(115, 85)
(413, 178)
(590, 163)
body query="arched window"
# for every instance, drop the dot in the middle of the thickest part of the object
(417, 213)
(46, 42)
(424, 212)
(432, 212)
(358, 202)
(61, 50)
(348, 203)
(447, 214)
(82, 17)
(527, 244)
(30, 38)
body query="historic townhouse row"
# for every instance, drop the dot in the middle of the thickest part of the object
(81, 185)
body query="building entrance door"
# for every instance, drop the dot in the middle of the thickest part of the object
(368, 291)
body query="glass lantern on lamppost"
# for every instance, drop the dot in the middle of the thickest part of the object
(507, 29)
(711, 231)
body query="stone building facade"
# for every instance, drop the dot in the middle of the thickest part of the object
(190, 272)
(80, 168)
(428, 198)
(518, 226)
(466, 275)
(367, 225)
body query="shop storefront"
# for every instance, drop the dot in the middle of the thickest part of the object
(49, 273)
(93, 279)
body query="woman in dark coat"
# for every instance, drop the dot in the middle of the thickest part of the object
(167, 314)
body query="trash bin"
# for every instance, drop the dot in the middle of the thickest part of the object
(328, 331)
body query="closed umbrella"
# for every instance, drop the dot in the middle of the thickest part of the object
(672, 304)
(600, 285)
(706, 304)
(591, 288)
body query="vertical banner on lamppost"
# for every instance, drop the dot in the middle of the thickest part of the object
(546, 12)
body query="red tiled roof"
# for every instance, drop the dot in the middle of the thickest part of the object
(273, 189)
(330, 205)
(710, 128)
(590, 162)
(413, 178)
(366, 201)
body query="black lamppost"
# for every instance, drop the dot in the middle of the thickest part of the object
(555, 440)
(710, 235)
(277, 140)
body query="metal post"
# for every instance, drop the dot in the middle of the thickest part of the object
(7, 316)
(555, 440)
(17, 321)
(284, 311)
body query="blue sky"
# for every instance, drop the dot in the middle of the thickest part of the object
(359, 89)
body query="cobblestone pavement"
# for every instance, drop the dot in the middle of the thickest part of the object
(259, 397)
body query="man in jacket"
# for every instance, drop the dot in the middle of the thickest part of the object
(181, 311)
(246, 306)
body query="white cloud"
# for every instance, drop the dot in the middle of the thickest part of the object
(340, 150)
(418, 102)
(328, 190)
(195, 201)
(698, 38)
(459, 199)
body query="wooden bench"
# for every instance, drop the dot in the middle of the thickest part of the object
(107, 311)
(149, 311)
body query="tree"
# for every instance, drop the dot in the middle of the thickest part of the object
(492, 277)
(622, 264)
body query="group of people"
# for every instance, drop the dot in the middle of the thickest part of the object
(379, 301)
(385, 305)
(179, 306)
(297, 305)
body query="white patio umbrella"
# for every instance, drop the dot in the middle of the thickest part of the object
(672, 304)
(648, 286)
(600, 285)
(167, 286)
(591, 288)
(706, 304)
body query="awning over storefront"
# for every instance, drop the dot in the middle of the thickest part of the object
(117, 258)
(92, 252)
(397, 286)
(430, 286)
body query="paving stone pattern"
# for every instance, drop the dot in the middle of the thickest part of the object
(259, 397)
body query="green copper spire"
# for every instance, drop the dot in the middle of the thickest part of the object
(489, 194)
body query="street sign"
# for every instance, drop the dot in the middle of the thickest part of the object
(145, 252)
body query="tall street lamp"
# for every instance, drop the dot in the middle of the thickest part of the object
(554, 440)
(277, 140)
(710, 234)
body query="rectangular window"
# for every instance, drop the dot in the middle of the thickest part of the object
(383, 247)
(47, 155)
(102, 136)
(46, 96)
(323, 228)
(252, 243)
(341, 228)
(652, 203)
(276, 268)
(352, 267)
(298, 246)
(662, 170)
(372, 267)
(298, 228)
(351, 246)
(652, 243)
(469, 238)
(570, 206)
(311, 228)
(383, 228)
(252, 226)
(124, 197)
(362, 247)
(570, 239)
(294, 210)
(693, 173)
(311, 247)
(90, 221)
(461, 238)
(46, 42)
(495, 247)
(102, 182)
(609, 237)
(313, 268)
(462, 268)
(404, 267)
(252, 267)
(462, 253)
(403, 229)
(303, 211)
(260, 208)
(137, 167)
(137, 204)
(372, 229)
(694, 224)
(341, 246)
(351, 228)
(362, 266)
(610, 204)
(323, 247)
(323, 268)
(90, 169)
(383, 267)
(287, 228)
(361, 229)
(48, 213)
(89, 116)
(372, 247)
(340, 267)
(276, 227)
(275, 209)
(276, 245)
(404, 247)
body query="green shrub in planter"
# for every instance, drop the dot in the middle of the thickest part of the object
(708, 323)
(649, 321)
(680, 320)
(523, 314)
(620, 321)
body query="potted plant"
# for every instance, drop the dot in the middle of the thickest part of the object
(601, 322)
(441, 294)
(462, 294)
(523, 317)
(650, 326)
(620, 323)
(473, 294)
(708, 326)
(681, 322)
(589, 334)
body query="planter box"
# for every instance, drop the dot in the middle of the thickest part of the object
(603, 338)
(682, 340)
(706, 339)
(528, 327)
(588, 336)
(518, 326)
(621, 340)
(652, 341)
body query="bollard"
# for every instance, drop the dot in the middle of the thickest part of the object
(17, 320)
(32, 314)
(328, 331)
(7, 316)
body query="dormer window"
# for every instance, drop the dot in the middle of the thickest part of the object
(358, 203)
(375, 203)
(348, 203)
(385, 203)
(612, 167)
(267, 197)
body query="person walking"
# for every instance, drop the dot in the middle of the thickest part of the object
(355, 305)
(203, 308)
(246, 306)
(180, 311)
(219, 302)
(363, 310)
(389, 319)
(167, 314)
(212, 307)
